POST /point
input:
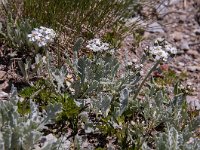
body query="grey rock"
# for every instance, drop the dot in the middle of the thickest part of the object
(173, 2)
(2, 75)
(135, 21)
(193, 68)
(184, 45)
(177, 36)
(181, 64)
(193, 53)
(161, 10)
(155, 28)
(197, 31)
(3, 95)
(193, 102)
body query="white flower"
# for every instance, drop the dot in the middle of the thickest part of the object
(159, 40)
(129, 63)
(173, 50)
(42, 43)
(170, 49)
(42, 36)
(162, 49)
(162, 55)
(138, 66)
(97, 45)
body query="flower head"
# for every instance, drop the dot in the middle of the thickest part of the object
(42, 36)
(161, 49)
(96, 45)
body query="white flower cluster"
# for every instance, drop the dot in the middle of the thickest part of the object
(96, 45)
(42, 36)
(161, 49)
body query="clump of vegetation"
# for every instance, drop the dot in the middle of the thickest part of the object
(82, 96)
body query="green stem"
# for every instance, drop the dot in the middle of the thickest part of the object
(144, 80)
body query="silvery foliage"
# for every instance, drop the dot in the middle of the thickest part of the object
(25, 68)
(124, 95)
(100, 75)
(174, 115)
(172, 139)
(16, 32)
(23, 132)
(99, 88)
(59, 76)
(38, 67)
(103, 103)
(82, 143)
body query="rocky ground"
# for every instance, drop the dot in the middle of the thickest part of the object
(178, 21)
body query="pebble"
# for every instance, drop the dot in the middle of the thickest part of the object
(177, 36)
(193, 68)
(173, 2)
(3, 95)
(4, 85)
(193, 102)
(197, 31)
(184, 45)
(155, 28)
(181, 64)
(161, 10)
(2, 75)
(193, 53)
(135, 20)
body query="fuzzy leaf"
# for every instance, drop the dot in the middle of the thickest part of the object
(52, 110)
(92, 87)
(82, 64)
(105, 101)
(123, 100)
(59, 76)
(78, 44)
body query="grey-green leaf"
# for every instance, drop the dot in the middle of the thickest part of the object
(123, 100)
(105, 100)
(78, 44)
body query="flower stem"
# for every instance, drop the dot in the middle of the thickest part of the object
(144, 80)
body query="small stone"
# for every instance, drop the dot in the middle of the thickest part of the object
(4, 85)
(155, 28)
(197, 31)
(193, 68)
(162, 10)
(2, 75)
(182, 18)
(147, 35)
(193, 53)
(173, 2)
(189, 83)
(3, 95)
(181, 64)
(193, 102)
(135, 20)
(186, 36)
(177, 36)
(184, 46)
(134, 60)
